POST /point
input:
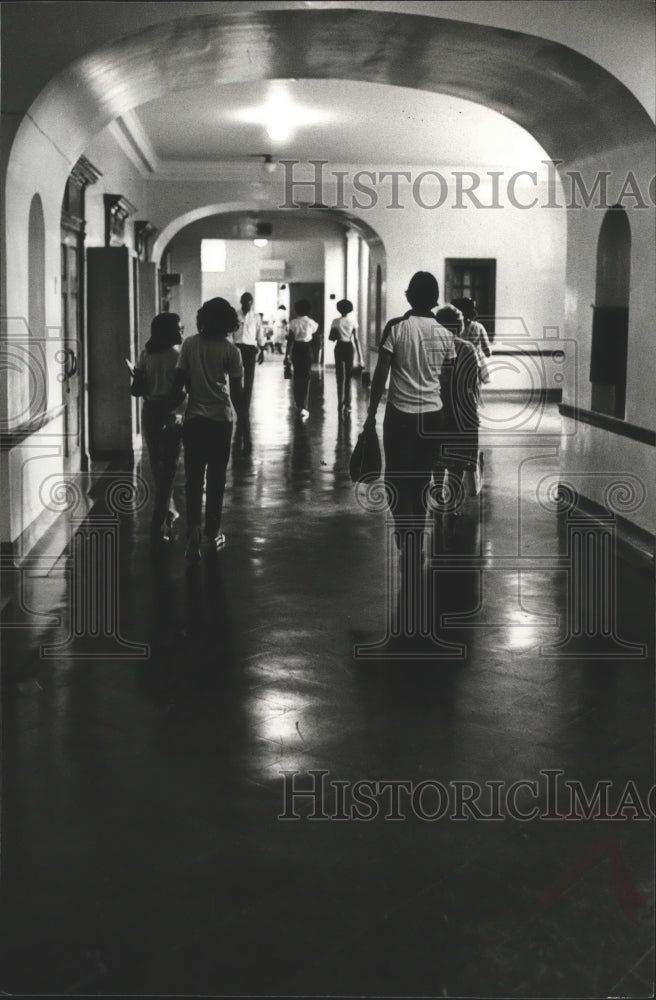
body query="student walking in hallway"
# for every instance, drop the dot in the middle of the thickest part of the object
(249, 339)
(211, 368)
(412, 352)
(299, 347)
(345, 334)
(161, 417)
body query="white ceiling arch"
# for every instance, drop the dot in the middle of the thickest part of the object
(568, 102)
(176, 225)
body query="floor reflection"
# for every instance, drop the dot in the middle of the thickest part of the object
(141, 797)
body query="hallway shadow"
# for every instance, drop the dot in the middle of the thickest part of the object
(432, 583)
(191, 634)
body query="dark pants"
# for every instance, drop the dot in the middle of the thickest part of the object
(344, 352)
(412, 445)
(248, 357)
(163, 443)
(207, 448)
(302, 362)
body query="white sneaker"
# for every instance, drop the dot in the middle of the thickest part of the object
(304, 414)
(219, 542)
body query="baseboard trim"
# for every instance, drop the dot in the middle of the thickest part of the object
(45, 538)
(23, 546)
(637, 545)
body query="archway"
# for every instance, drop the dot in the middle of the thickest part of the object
(328, 225)
(569, 103)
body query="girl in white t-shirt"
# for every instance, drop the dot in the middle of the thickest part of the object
(299, 348)
(475, 333)
(345, 334)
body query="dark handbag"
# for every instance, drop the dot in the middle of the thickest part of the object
(366, 462)
(139, 385)
(333, 335)
(287, 368)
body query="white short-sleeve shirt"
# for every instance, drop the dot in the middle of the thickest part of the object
(302, 328)
(345, 327)
(419, 346)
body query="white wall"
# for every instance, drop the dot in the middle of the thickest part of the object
(119, 176)
(528, 244)
(334, 274)
(46, 173)
(305, 262)
(594, 457)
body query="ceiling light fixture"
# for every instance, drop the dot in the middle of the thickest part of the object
(280, 116)
(259, 242)
(279, 129)
(269, 165)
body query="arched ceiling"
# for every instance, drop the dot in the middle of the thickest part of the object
(569, 103)
(225, 221)
(350, 122)
(285, 225)
(61, 31)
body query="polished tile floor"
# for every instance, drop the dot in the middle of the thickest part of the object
(147, 723)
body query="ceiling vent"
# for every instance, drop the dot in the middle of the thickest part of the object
(273, 270)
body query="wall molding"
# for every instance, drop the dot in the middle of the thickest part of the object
(131, 137)
(606, 423)
(532, 351)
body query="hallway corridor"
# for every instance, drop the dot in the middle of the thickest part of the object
(142, 849)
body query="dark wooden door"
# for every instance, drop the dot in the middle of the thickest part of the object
(473, 278)
(313, 291)
(72, 350)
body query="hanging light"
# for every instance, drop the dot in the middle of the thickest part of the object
(269, 165)
(260, 242)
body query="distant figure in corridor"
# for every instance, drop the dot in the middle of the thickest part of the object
(211, 368)
(460, 384)
(161, 416)
(345, 334)
(475, 333)
(299, 348)
(413, 350)
(249, 339)
(280, 329)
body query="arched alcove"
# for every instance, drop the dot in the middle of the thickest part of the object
(610, 324)
(36, 316)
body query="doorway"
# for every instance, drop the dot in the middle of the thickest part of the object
(473, 278)
(313, 291)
